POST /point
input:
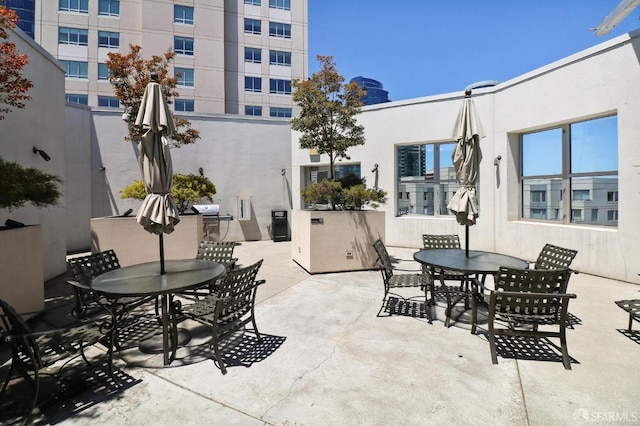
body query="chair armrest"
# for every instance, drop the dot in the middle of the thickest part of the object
(538, 295)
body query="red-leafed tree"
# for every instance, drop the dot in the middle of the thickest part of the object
(129, 74)
(13, 86)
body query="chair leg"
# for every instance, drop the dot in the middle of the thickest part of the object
(566, 361)
(491, 336)
(255, 328)
(216, 350)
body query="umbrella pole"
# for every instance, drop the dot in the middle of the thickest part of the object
(466, 241)
(162, 271)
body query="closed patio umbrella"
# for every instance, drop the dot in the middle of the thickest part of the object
(466, 162)
(158, 213)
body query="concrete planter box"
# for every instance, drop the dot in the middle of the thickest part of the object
(21, 268)
(335, 241)
(134, 245)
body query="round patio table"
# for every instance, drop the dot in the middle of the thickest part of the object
(145, 280)
(478, 262)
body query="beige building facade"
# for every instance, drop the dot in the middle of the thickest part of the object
(232, 56)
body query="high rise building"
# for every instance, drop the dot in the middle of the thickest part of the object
(232, 56)
(375, 91)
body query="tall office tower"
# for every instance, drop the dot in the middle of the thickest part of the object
(411, 161)
(375, 91)
(232, 56)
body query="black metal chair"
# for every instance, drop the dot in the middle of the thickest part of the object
(218, 251)
(230, 309)
(85, 269)
(453, 294)
(554, 257)
(32, 353)
(397, 281)
(524, 300)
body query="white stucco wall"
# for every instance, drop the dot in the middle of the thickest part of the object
(242, 156)
(599, 81)
(41, 124)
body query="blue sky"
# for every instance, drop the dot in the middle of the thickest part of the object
(428, 47)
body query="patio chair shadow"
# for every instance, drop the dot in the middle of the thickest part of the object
(529, 349)
(72, 393)
(394, 305)
(634, 335)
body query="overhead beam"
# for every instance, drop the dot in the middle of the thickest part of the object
(618, 14)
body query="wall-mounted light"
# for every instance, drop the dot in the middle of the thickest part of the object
(43, 154)
(496, 161)
(102, 168)
(127, 213)
(283, 172)
(201, 171)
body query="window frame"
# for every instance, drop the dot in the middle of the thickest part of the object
(181, 17)
(586, 189)
(184, 105)
(253, 2)
(82, 6)
(278, 86)
(110, 5)
(252, 110)
(81, 36)
(250, 54)
(252, 87)
(279, 29)
(82, 68)
(77, 98)
(280, 4)
(280, 112)
(187, 79)
(279, 58)
(111, 101)
(252, 26)
(101, 68)
(183, 42)
(112, 39)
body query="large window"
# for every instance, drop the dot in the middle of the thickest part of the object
(183, 14)
(80, 6)
(577, 159)
(253, 110)
(108, 39)
(185, 105)
(76, 36)
(109, 7)
(426, 178)
(183, 45)
(280, 4)
(254, 2)
(76, 98)
(252, 54)
(280, 112)
(75, 69)
(278, 57)
(282, 87)
(252, 26)
(278, 29)
(184, 76)
(252, 84)
(103, 71)
(108, 101)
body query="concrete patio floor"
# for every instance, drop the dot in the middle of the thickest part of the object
(328, 359)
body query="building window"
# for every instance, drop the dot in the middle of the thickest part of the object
(108, 102)
(252, 54)
(280, 112)
(581, 159)
(425, 169)
(282, 87)
(103, 72)
(252, 26)
(253, 2)
(108, 39)
(109, 8)
(539, 213)
(538, 196)
(26, 11)
(612, 215)
(75, 69)
(253, 110)
(185, 105)
(183, 14)
(280, 4)
(278, 29)
(75, 36)
(183, 45)
(79, 6)
(76, 98)
(278, 57)
(253, 84)
(184, 76)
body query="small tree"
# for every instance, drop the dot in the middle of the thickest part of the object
(13, 86)
(328, 109)
(186, 189)
(129, 74)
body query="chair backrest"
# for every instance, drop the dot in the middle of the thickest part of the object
(20, 333)
(532, 280)
(216, 251)
(440, 241)
(236, 293)
(554, 257)
(383, 258)
(86, 268)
